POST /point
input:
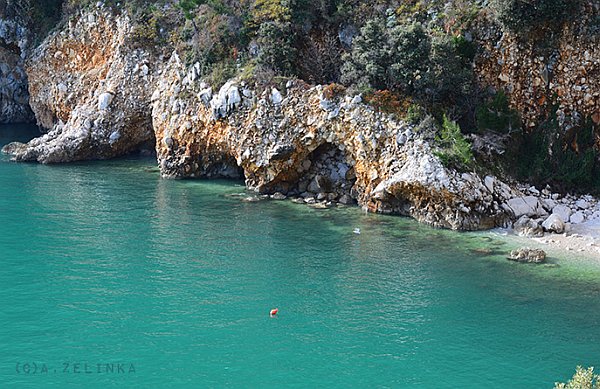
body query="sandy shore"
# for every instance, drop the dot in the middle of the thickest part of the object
(582, 239)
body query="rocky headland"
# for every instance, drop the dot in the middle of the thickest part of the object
(99, 96)
(15, 44)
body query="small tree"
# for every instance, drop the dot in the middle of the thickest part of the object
(455, 149)
(387, 55)
(276, 51)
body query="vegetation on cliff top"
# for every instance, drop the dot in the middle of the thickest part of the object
(404, 57)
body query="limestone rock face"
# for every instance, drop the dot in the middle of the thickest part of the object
(537, 79)
(296, 142)
(14, 46)
(91, 90)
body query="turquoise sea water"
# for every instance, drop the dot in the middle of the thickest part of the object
(104, 263)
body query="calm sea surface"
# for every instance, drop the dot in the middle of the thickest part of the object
(113, 277)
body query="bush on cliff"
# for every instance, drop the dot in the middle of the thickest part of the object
(455, 150)
(431, 69)
(275, 47)
(567, 160)
(496, 115)
(523, 16)
(582, 379)
(387, 55)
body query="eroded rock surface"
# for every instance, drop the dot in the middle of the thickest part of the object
(561, 70)
(297, 143)
(91, 89)
(14, 45)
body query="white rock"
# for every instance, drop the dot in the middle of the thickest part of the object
(554, 224)
(577, 218)
(582, 204)
(205, 95)
(276, 97)
(62, 89)
(549, 204)
(527, 205)
(114, 136)
(563, 211)
(489, 183)
(104, 101)
(226, 100)
(155, 95)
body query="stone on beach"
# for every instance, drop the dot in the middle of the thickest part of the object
(554, 223)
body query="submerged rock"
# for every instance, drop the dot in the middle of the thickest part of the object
(528, 255)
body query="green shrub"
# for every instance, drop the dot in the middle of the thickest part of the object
(522, 16)
(435, 72)
(496, 115)
(582, 379)
(387, 56)
(448, 82)
(567, 160)
(414, 114)
(276, 51)
(455, 150)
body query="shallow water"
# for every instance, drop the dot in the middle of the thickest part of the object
(106, 263)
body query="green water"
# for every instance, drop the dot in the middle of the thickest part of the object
(106, 263)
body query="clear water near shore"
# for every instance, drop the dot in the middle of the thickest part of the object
(106, 263)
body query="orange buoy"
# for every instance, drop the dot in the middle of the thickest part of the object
(274, 312)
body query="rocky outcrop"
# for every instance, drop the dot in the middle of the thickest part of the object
(539, 73)
(101, 97)
(299, 143)
(528, 255)
(91, 89)
(14, 46)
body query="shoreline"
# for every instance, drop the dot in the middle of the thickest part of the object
(581, 242)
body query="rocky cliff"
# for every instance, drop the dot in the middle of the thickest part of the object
(91, 89)
(100, 96)
(558, 71)
(14, 46)
(299, 143)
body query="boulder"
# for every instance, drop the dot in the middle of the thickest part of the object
(278, 196)
(276, 97)
(526, 205)
(554, 223)
(528, 255)
(104, 101)
(526, 226)
(346, 200)
(226, 100)
(577, 218)
(319, 184)
(563, 211)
